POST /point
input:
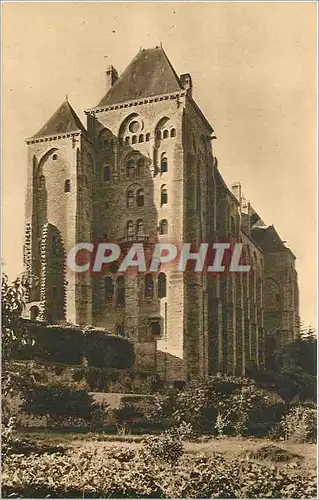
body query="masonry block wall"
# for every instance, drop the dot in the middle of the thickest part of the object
(144, 171)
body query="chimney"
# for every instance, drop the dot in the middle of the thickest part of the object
(111, 77)
(236, 190)
(187, 84)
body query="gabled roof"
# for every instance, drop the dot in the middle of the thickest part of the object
(64, 120)
(149, 74)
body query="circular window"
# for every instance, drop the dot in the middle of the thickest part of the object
(134, 127)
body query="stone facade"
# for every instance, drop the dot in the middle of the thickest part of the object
(144, 171)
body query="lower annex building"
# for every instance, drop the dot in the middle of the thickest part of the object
(144, 170)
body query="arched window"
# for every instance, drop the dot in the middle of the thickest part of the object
(161, 285)
(107, 174)
(163, 226)
(148, 137)
(163, 195)
(140, 197)
(141, 138)
(34, 312)
(55, 157)
(148, 286)
(127, 141)
(164, 163)
(130, 198)
(67, 186)
(41, 182)
(173, 132)
(140, 227)
(165, 134)
(134, 139)
(130, 228)
(120, 291)
(130, 169)
(108, 289)
(140, 167)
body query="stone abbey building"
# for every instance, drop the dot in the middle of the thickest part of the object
(143, 170)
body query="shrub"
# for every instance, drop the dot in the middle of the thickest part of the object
(222, 404)
(105, 350)
(69, 344)
(299, 424)
(92, 472)
(166, 447)
(59, 403)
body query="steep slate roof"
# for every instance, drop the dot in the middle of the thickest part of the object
(64, 120)
(149, 74)
(268, 238)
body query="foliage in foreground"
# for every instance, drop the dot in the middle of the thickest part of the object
(98, 473)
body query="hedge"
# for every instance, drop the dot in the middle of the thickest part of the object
(70, 344)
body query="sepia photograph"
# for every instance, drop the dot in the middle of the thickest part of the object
(159, 249)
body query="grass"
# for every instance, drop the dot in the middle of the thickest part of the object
(261, 449)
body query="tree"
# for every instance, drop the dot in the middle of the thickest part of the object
(13, 333)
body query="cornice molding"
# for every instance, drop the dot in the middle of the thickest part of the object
(135, 102)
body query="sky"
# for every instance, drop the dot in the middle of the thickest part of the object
(253, 67)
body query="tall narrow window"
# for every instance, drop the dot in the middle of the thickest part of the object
(130, 229)
(55, 246)
(148, 137)
(140, 227)
(134, 139)
(130, 169)
(164, 163)
(165, 134)
(107, 174)
(120, 330)
(41, 182)
(149, 286)
(67, 186)
(163, 196)
(173, 132)
(109, 289)
(120, 291)
(161, 285)
(130, 198)
(140, 167)
(127, 141)
(141, 138)
(140, 197)
(163, 226)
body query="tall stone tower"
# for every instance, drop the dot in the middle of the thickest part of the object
(58, 214)
(152, 180)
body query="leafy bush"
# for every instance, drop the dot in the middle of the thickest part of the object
(59, 403)
(102, 349)
(299, 424)
(69, 344)
(221, 404)
(96, 473)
